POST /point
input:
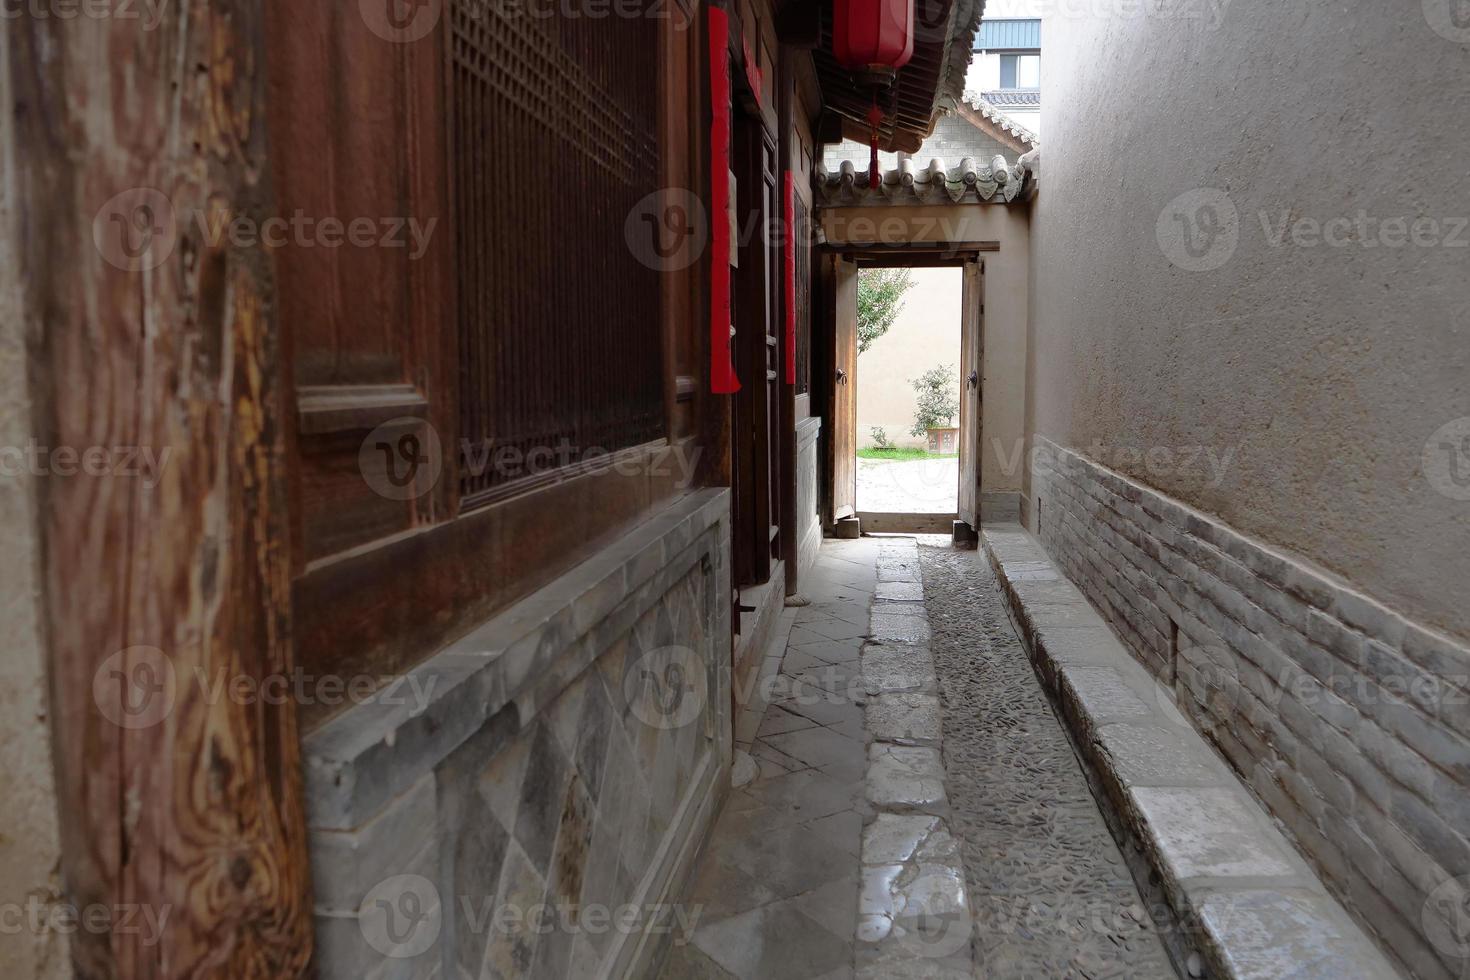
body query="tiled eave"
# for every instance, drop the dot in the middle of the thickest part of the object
(931, 83)
(986, 110)
(975, 183)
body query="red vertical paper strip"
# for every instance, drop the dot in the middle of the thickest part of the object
(790, 244)
(721, 366)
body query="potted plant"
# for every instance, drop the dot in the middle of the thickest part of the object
(937, 406)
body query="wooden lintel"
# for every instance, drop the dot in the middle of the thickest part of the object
(799, 25)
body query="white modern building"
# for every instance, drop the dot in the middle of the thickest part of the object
(1006, 70)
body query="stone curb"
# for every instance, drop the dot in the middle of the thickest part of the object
(1250, 907)
(914, 919)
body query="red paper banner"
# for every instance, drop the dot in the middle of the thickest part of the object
(790, 244)
(721, 366)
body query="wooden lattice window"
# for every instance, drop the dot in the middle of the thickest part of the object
(555, 144)
(803, 298)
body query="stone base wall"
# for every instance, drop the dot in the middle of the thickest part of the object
(528, 802)
(1348, 722)
(808, 492)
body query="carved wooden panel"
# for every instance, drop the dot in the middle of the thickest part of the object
(556, 149)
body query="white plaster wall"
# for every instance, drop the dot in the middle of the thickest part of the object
(925, 335)
(29, 849)
(1325, 371)
(1007, 285)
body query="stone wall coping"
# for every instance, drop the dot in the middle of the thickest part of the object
(1223, 864)
(501, 673)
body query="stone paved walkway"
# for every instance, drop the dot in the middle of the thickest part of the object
(847, 852)
(908, 486)
(778, 881)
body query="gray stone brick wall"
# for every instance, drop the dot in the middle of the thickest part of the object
(1349, 722)
(504, 826)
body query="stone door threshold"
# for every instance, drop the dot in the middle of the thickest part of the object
(876, 522)
(1247, 905)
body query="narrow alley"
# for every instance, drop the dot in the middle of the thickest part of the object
(847, 849)
(735, 490)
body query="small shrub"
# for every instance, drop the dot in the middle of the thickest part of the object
(939, 399)
(880, 438)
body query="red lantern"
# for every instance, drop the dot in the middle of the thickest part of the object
(873, 35)
(873, 39)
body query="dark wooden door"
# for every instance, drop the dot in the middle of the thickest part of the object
(972, 322)
(757, 460)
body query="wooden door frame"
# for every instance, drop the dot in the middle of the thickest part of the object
(972, 392)
(841, 376)
(756, 472)
(825, 356)
(167, 797)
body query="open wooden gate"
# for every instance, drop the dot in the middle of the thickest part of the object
(972, 332)
(844, 392)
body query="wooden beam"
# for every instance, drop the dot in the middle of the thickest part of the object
(799, 25)
(151, 331)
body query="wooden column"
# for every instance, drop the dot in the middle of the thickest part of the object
(150, 331)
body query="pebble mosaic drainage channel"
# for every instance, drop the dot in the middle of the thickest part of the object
(1049, 890)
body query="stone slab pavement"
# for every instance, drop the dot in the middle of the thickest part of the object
(908, 486)
(847, 848)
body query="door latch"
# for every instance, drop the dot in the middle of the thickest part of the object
(974, 380)
(841, 376)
